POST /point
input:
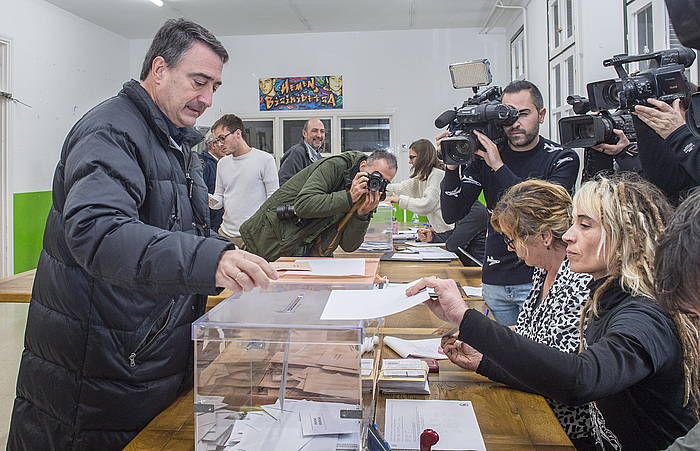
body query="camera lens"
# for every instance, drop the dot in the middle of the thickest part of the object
(463, 147)
(584, 130)
(612, 94)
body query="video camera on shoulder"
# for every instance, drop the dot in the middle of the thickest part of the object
(483, 112)
(664, 80)
(587, 130)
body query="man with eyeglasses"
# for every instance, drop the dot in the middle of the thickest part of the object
(245, 177)
(210, 158)
(525, 154)
(304, 153)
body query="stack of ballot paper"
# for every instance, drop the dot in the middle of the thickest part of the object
(427, 254)
(405, 235)
(427, 348)
(408, 376)
(301, 426)
(367, 370)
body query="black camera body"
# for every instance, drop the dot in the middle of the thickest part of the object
(587, 130)
(484, 113)
(376, 182)
(665, 80)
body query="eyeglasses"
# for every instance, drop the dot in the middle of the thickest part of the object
(222, 138)
(510, 242)
(412, 157)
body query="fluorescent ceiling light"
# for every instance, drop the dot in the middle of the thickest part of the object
(157, 2)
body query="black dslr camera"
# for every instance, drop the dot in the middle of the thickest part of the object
(376, 182)
(587, 130)
(664, 80)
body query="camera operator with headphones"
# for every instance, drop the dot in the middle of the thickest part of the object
(524, 154)
(326, 204)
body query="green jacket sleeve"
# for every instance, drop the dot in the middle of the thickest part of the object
(354, 234)
(320, 196)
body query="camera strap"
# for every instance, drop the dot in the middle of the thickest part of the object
(318, 250)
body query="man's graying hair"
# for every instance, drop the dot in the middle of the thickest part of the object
(174, 38)
(389, 157)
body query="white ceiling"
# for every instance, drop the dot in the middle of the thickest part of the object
(135, 19)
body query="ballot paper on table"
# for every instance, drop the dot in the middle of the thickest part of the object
(287, 431)
(429, 253)
(423, 244)
(454, 421)
(472, 291)
(427, 348)
(367, 304)
(324, 418)
(333, 267)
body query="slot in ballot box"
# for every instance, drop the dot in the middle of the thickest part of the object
(270, 374)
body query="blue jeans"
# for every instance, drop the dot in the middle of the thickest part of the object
(506, 301)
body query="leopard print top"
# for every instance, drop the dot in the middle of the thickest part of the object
(554, 322)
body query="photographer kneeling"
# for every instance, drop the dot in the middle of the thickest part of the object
(632, 363)
(324, 205)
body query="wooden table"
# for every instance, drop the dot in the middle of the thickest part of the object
(509, 419)
(17, 288)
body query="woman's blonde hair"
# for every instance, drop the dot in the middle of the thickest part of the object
(633, 215)
(533, 207)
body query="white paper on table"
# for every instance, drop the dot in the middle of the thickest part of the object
(323, 418)
(283, 435)
(472, 291)
(367, 304)
(434, 252)
(454, 421)
(427, 348)
(423, 244)
(349, 441)
(408, 257)
(321, 443)
(333, 267)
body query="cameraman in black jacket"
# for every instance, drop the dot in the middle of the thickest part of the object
(671, 154)
(662, 141)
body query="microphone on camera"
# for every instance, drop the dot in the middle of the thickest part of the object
(445, 118)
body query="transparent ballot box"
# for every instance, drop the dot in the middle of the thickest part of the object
(271, 375)
(378, 236)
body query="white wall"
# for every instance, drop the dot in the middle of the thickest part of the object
(599, 35)
(537, 63)
(401, 72)
(592, 45)
(62, 66)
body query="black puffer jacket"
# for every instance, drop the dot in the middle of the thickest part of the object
(123, 273)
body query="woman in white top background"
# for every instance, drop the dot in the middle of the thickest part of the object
(421, 192)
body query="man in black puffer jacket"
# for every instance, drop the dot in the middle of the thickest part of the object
(126, 264)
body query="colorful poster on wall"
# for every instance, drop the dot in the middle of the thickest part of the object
(301, 93)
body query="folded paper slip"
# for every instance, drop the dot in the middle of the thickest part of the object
(415, 348)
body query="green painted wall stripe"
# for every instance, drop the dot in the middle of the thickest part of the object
(29, 219)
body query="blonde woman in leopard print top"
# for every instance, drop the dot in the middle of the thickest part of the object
(536, 214)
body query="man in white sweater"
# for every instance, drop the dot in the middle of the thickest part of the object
(245, 177)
